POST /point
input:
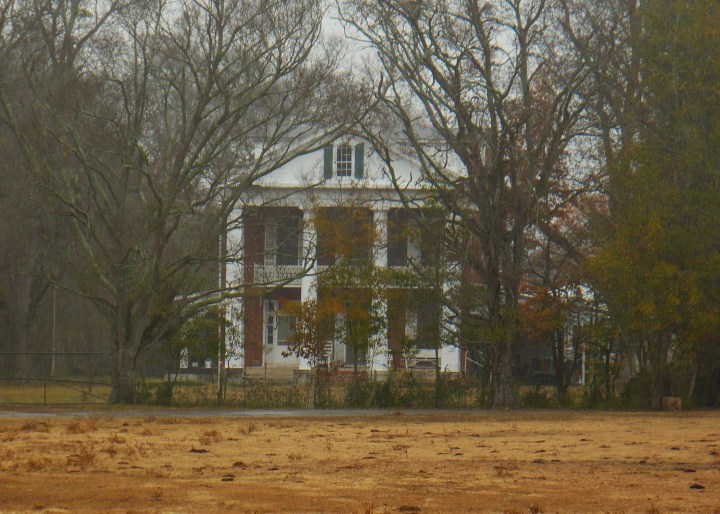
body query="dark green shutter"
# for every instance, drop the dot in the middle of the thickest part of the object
(359, 160)
(328, 168)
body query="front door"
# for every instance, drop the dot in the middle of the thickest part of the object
(278, 330)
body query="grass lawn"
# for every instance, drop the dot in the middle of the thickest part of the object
(504, 462)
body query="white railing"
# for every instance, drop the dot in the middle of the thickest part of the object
(285, 274)
(468, 359)
(423, 363)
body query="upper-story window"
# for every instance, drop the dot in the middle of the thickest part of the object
(343, 161)
(403, 239)
(282, 239)
(344, 234)
(422, 324)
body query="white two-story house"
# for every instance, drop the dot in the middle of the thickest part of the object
(281, 252)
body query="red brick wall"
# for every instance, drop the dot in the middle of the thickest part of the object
(253, 332)
(254, 244)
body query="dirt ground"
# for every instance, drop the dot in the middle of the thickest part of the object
(509, 462)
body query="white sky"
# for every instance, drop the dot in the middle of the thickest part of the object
(358, 54)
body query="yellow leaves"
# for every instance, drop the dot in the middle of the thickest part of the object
(83, 12)
(345, 232)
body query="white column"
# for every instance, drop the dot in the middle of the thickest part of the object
(449, 353)
(235, 276)
(235, 240)
(379, 355)
(413, 242)
(235, 334)
(308, 282)
(380, 222)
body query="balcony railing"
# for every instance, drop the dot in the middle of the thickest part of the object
(284, 274)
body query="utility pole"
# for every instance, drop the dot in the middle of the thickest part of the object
(54, 332)
(222, 282)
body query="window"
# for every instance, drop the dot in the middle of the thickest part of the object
(347, 236)
(285, 328)
(282, 240)
(429, 326)
(403, 238)
(429, 238)
(288, 241)
(343, 161)
(358, 231)
(270, 332)
(397, 238)
(422, 324)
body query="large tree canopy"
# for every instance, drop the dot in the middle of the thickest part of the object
(150, 120)
(486, 95)
(658, 263)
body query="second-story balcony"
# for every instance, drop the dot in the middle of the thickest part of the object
(278, 274)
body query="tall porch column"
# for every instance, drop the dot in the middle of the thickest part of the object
(450, 353)
(450, 356)
(235, 273)
(380, 354)
(308, 282)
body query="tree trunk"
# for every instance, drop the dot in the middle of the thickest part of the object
(356, 378)
(123, 379)
(502, 386)
(661, 380)
(311, 387)
(691, 387)
(437, 377)
(18, 343)
(561, 382)
(608, 371)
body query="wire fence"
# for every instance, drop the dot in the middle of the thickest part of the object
(54, 378)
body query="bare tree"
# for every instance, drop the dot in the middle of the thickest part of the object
(173, 111)
(606, 36)
(29, 244)
(27, 229)
(486, 96)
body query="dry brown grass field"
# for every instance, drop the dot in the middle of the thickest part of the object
(474, 462)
